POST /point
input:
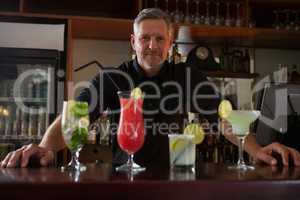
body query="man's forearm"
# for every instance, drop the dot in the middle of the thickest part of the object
(53, 139)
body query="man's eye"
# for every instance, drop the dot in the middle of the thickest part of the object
(145, 39)
(160, 39)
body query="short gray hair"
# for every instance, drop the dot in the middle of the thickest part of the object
(152, 13)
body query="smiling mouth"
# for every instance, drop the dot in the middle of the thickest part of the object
(152, 55)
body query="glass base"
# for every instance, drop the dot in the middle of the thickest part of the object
(79, 167)
(241, 167)
(130, 168)
(183, 168)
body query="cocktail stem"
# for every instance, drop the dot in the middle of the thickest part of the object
(241, 150)
(130, 161)
(74, 159)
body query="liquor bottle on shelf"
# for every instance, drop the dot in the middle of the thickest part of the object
(24, 123)
(246, 61)
(176, 56)
(2, 120)
(222, 59)
(295, 76)
(41, 122)
(237, 61)
(32, 122)
(8, 120)
(17, 123)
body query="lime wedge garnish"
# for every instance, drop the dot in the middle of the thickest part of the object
(136, 93)
(79, 109)
(196, 130)
(224, 109)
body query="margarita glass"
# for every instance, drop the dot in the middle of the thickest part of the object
(240, 121)
(131, 131)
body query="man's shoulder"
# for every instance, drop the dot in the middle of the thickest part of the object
(125, 66)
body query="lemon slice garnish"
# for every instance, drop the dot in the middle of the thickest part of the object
(136, 93)
(196, 130)
(178, 144)
(224, 109)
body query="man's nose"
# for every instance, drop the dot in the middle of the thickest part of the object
(153, 43)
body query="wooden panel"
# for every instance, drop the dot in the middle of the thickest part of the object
(257, 37)
(276, 39)
(284, 2)
(102, 28)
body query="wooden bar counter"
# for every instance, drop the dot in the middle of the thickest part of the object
(100, 181)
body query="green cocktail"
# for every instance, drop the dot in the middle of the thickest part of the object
(75, 122)
(240, 121)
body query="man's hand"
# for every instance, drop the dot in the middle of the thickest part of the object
(264, 154)
(20, 157)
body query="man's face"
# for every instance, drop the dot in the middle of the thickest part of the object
(151, 42)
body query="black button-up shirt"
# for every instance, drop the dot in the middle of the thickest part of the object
(169, 96)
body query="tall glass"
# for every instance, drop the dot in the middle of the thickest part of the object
(74, 123)
(187, 16)
(197, 19)
(240, 121)
(218, 18)
(238, 21)
(297, 24)
(131, 132)
(227, 18)
(207, 18)
(177, 16)
(276, 24)
(167, 7)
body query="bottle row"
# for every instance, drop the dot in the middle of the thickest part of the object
(27, 123)
(28, 89)
(204, 12)
(286, 19)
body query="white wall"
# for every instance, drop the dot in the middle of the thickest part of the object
(108, 53)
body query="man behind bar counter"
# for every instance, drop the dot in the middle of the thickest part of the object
(151, 41)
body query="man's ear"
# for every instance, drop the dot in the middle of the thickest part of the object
(132, 41)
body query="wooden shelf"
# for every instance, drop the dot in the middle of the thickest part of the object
(223, 74)
(238, 36)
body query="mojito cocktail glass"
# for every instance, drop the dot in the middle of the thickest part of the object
(75, 123)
